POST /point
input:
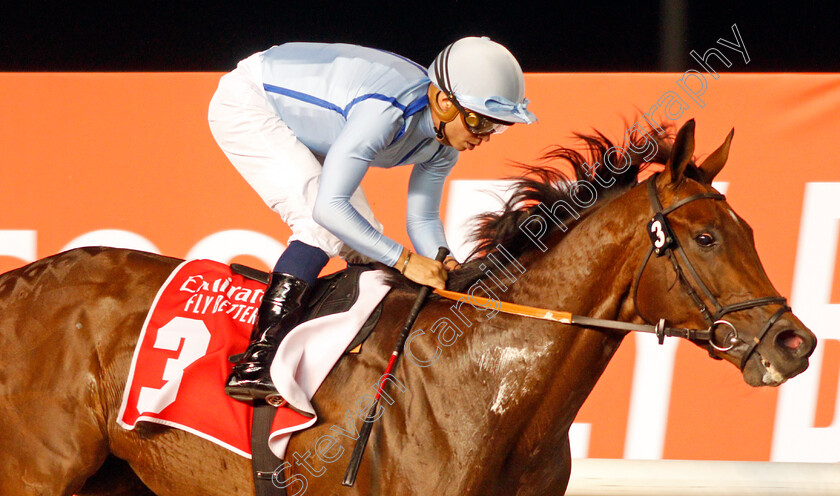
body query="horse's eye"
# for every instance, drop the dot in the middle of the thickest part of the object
(705, 240)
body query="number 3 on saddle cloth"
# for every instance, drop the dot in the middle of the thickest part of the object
(203, 315)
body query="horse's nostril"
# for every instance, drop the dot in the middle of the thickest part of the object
(789, 340)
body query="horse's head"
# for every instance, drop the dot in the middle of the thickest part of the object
(704, 272)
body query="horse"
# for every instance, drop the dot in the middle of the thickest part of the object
(482, 402)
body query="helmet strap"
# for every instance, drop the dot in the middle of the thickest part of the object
(440, 134)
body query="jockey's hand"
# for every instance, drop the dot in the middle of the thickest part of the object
(425, 271)
(450, 264)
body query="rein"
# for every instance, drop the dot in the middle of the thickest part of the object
(663, 242)
(660, 329)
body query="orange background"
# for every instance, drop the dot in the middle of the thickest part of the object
(83, 152)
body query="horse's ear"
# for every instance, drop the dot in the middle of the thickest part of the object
(715, 162)
(681, 152)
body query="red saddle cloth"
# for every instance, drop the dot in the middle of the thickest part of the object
(202, 315)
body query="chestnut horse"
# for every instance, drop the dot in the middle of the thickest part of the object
(482, 402)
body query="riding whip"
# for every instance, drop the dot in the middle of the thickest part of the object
(367, 426)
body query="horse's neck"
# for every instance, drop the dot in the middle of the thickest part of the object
(590, 270)
(544, 371)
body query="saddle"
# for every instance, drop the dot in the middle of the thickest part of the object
(332, 294)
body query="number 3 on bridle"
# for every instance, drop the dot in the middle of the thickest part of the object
(660, 234)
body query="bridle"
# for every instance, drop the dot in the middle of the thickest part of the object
(665, 243)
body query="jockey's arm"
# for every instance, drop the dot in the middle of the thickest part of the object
(425, 190)
(366, 133)
(344, 167)
(335, 213)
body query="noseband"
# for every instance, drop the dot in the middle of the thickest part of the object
(665, 243)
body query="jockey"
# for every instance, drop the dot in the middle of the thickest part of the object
(303, 122)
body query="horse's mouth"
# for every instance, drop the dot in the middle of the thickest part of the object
(762, 372)
(771, 377)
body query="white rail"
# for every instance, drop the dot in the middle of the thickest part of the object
(605, 477)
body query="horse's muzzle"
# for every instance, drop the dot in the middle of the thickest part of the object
(782, 354)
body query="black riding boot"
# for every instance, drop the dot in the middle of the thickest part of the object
(280, 310)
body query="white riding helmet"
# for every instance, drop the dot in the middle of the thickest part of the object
(484, 77)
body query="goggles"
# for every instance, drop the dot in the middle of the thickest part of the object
(478, 124)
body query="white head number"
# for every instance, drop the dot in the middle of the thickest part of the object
(656, 228)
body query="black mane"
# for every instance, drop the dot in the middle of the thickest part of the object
(547, 184)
